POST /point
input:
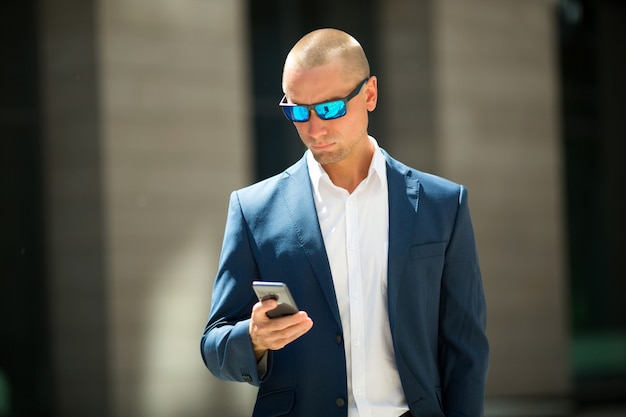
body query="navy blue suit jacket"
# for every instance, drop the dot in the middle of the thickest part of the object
(435, 297)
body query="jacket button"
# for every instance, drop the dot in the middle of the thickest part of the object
(340, 402)
(338, 339)
(247, 378)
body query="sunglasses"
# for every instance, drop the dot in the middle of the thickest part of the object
(327, 110)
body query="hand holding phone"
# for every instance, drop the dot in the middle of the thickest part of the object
(266, 290)
(268, 334)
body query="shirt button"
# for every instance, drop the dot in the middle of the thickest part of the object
(340, 402)
(338, 339)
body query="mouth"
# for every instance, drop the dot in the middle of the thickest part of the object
(322, 147)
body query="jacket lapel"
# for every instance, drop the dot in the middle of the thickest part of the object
(403, 188)
(403, 191)
(295, 188)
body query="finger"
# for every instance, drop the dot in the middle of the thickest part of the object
(275, 334)
(283, 336)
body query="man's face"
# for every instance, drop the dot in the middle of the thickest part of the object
(331, 141)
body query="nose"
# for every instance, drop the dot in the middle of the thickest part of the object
(317, 126)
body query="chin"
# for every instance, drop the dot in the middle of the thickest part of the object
(325, 158)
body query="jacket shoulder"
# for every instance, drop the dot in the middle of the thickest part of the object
(428, 182)
(272, 182)
(260, 193)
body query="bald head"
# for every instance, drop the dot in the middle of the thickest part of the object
(323, 46)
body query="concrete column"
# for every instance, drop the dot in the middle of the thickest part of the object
(490, 87)
(146, 135)
(175, 143)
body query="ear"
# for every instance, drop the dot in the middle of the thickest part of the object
(371, 93)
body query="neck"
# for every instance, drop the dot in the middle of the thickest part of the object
(349, 173)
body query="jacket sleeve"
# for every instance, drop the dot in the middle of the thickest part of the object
(463, 346)
(225, 345)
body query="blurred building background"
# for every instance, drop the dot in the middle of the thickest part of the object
(125, 124)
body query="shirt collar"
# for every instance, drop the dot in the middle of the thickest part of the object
(378, 167)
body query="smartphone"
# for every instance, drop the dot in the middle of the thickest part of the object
(278, 291)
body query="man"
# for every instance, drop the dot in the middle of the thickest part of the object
(379, 257)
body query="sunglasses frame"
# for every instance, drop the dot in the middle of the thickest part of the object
(312, 107)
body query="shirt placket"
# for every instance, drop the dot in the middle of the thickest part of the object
(357, 339)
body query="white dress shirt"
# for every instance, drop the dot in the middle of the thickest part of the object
(355, 229)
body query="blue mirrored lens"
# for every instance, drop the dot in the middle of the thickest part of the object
(296, 113)
(331, 109)
(300, 113)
